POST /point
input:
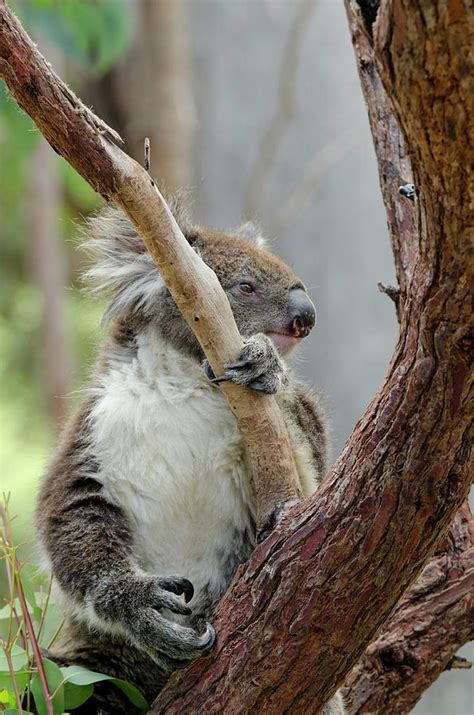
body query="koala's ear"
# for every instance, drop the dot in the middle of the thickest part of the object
(251, 232)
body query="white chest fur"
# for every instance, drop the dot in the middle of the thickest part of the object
(171, 456)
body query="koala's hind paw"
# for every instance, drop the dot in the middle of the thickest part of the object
(258, 367)
(135, 603)
(177, 585)
(178, 643)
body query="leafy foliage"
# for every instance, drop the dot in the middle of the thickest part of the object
(28, 622)
(92, 34)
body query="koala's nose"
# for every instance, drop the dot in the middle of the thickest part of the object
(301, 313)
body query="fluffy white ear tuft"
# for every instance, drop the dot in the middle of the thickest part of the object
(121, 266)
(251, 232)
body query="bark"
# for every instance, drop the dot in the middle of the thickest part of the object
(87, 143)
(431, 622)
(338, 564)
(436, 617)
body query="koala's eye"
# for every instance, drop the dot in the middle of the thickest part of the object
(246, 288)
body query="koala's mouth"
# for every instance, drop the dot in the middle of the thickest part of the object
(284, 342)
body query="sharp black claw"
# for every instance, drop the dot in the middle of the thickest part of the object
(258, 386)
(212, 638)
(209, 371)
(237, 365)
(408, 190)
(222, 378)
(180, 586)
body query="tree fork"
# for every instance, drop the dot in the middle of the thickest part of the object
(435, 617)
(338, 563)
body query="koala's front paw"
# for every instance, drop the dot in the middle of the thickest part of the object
(258, 366)
(135, 604)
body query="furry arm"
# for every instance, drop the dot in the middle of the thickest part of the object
(89, 543)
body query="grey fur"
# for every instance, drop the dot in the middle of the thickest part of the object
(258, 366)
(121, 619)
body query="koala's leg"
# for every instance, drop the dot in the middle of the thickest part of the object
(89, 544)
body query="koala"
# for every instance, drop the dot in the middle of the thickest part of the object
(148, 507)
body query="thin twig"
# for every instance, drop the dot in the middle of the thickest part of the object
(55, 634)
(394, 294)
(11, 670)
(458, 662)
(146, 150)
(26, 615)
(44, 609)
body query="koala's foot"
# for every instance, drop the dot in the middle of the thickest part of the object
(134, 604)
(258, 366)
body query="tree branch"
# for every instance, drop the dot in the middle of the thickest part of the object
(372, 526)
(420, 640)
(435, 618)
(86, 143)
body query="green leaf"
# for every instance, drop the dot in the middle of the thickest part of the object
(76, 695)
(5, 697)
(78, 675)
(55, 685)
(18, 658)
(132, 693)
(21, 679)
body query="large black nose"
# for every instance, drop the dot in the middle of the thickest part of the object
(301, 313)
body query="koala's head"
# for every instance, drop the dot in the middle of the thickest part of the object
(264, 293)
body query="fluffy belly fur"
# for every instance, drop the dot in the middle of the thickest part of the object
(175, 464)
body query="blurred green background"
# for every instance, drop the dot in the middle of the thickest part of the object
(87, 38)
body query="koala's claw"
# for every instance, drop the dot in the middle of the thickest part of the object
(178, 585)
(258, 367)
(179, 643)
(173, 603)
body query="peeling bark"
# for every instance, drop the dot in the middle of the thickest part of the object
(419, 641)
(436, 617)
(370, 529)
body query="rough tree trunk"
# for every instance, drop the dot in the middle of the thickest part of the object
(419, 641)
(436, 616)
(365, 554)
(316, 591)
